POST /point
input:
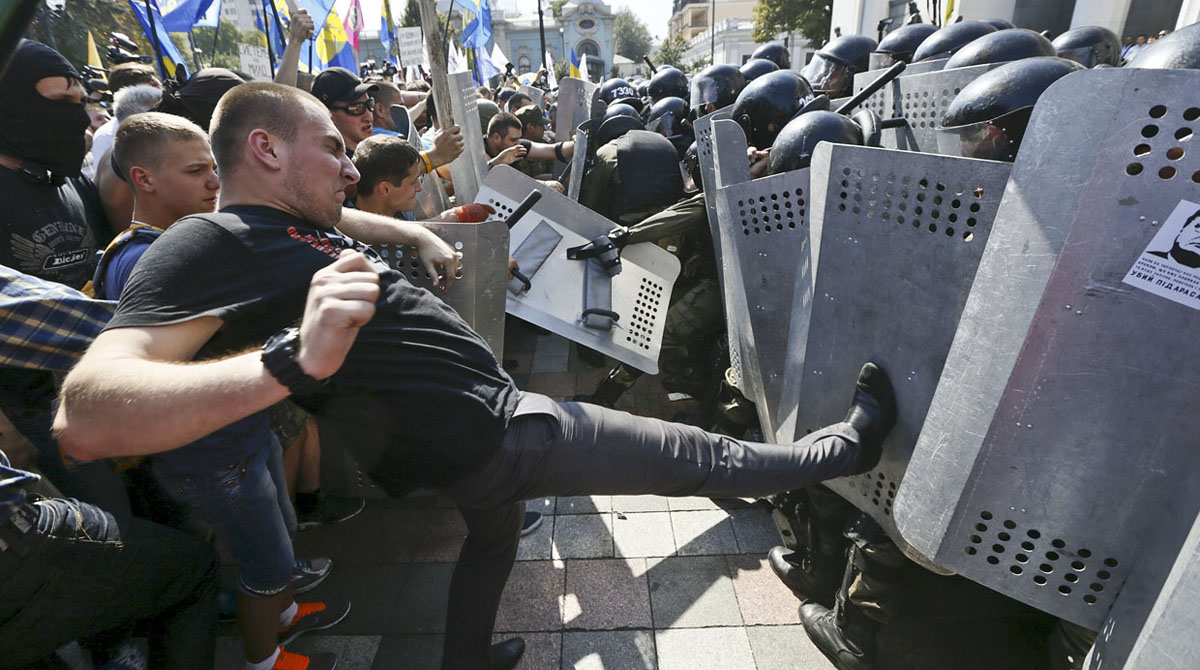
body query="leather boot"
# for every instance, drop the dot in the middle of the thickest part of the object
(872, 414)
(505, 655)
(848, 642)
(612, 387)
(811, 576)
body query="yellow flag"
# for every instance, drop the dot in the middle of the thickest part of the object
(93, 55)
(949, 12)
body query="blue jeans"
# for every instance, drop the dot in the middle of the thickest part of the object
(247, 505)
(78, 573)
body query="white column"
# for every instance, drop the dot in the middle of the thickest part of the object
(975, 10)
(847, 15)
(1104, 13)
(1188, 14)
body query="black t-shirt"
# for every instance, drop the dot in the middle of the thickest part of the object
(251, 266)
(51, 232)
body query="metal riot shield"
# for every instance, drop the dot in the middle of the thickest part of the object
(574, 106)
(432, 199)
(922, 99)
(864, 79)
(468, 170)
(895, 241)
(535, 94)
(640, 293)
(478, 297)
(578, 163)
(764, 240)
(1067, 404)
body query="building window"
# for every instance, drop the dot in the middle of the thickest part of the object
(588, 47)
(587, 24)
(523, 64)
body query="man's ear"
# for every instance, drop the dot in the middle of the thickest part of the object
(141, 179)
(264, 147)
(383, 189)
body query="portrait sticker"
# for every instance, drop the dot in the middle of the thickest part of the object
(1170, 265)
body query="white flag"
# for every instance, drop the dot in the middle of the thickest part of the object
(498, 57)
(551, 80)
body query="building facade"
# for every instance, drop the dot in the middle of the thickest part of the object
(1124, 17)
(585, 26)
(689, 18)
(733, 45)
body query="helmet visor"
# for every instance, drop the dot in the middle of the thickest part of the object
(828, 76)
(882, 61)
(706, 92)
(984, 140)
(1085, 56)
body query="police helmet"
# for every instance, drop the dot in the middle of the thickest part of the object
(716, 87)
(616, 90)
(669, 117)
(691, 165)
(668, 82)
(1089, 46)
(614, 126)
(898, 46)
(832, 69)
(765, 106)
(1002, 46)
(776, 53)
(1179, 50)
(642, 88)
(799, 138)
(621, 109)
(988, 118)
(757, 67)
(999, 24)
(945, 42)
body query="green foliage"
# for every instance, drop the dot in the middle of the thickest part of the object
(67, 31)
(225, 53)
(631, 37)
(698, 65)
(556, 8)
(810, 18)
(562, 68)
(670, 52)
(412, 15)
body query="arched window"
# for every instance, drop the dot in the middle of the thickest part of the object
(523, 65)
(588, 47)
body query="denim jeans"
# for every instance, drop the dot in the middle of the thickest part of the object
(78, 573)
(246, 503)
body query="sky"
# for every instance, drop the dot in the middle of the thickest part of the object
(655, 13)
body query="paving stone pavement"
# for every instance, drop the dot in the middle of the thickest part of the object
(606, 582)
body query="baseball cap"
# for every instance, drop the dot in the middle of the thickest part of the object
(531, 114)
(337, 84)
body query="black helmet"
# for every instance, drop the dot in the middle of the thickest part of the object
(776, 53)
(794, 147)
(620, 109)
(717, 86)
(1179, 50)
(1089, 46)
(669, 118)
(999, 24)
(832, 69)
(900, 44)
(668, 82)
(757, 67)
(988, 118)
(616, 90)
(642, 88)
(950, 39)
(765, 106)
(612, 127)
(1002, 46)
(691, 165)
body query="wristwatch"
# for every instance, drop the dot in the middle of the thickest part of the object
(279, 357)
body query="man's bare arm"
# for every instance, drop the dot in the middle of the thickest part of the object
(135, 392)
(544, 151)
(300, 29)
(441, 262)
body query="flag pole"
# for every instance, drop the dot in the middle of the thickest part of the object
(267, 31)
(542, 33)
(162, 71)
(437, 61)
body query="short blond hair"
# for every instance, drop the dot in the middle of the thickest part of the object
(142, 138)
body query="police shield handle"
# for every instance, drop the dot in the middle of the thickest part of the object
(523, 208)
(437, 61)
(892, 72)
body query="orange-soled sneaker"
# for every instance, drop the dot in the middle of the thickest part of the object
(312, 616)
(286, 660)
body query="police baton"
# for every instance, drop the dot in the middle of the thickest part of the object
(891, 73)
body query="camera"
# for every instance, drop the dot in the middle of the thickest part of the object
(121, 49)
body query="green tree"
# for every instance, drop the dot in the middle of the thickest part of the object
(698, 65)
(412, 15)
(556, 8)
(562, 68)
(631, 37)
(67, 30)
(670, 52)
(809, 18)
(220, 49)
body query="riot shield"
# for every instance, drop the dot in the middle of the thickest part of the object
(535, 94)
(921, 96)
(864, 79)
(478, 297)
(468, 170)
(895, 241)
(1067, 402)
(432, 199)
(578, 164)
(640, 294)
(574, 106)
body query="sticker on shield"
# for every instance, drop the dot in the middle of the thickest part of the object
(1170, 265)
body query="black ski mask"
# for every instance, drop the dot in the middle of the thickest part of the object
(47, 133)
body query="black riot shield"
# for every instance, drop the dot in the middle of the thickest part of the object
(895, 241)
(1066, 411)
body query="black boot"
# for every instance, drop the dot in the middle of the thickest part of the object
(872, 414)
(848, 642)
(810, 576)
(505, 655)
(611, 388)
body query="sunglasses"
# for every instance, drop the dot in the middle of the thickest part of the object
(358, 108)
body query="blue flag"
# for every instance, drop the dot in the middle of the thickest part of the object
(179, 16)
(268, 26)
(211, 18)
(479, 31)
(386, 36)
(170, 53)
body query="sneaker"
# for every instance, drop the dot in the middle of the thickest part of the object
(309, 573)
(312, 616)
(286, 660)
(127, 656)
(533, 520)
(330, 509)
